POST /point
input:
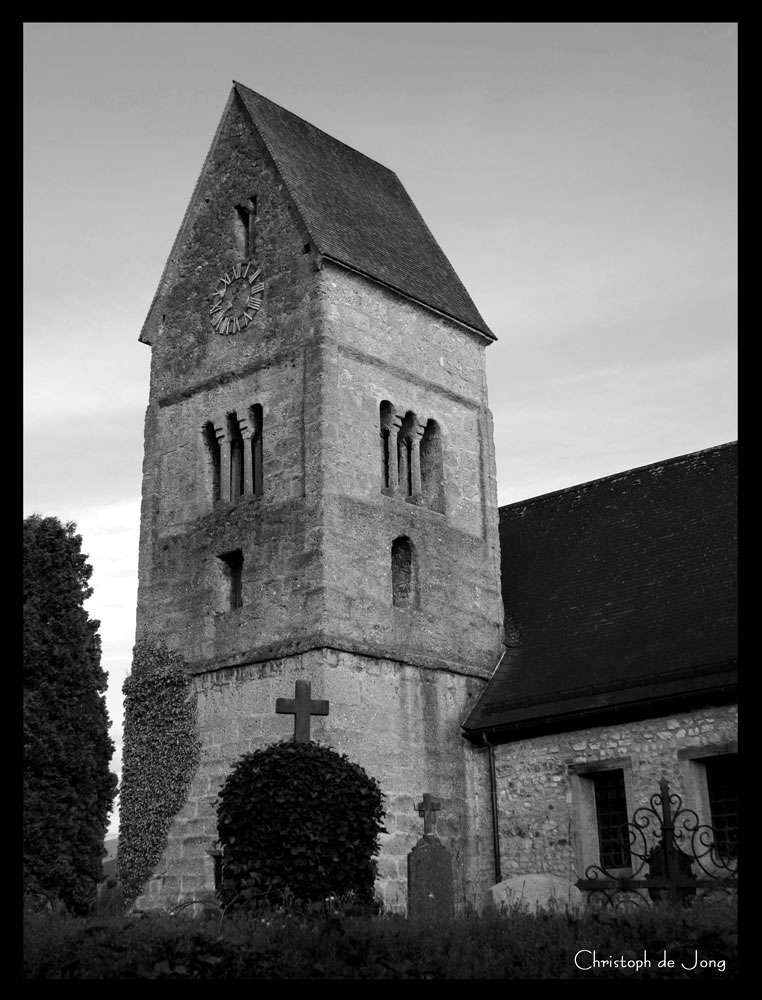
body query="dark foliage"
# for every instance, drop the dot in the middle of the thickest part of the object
(299, 819)
(161, 754)
(68, 787)
(286, 946)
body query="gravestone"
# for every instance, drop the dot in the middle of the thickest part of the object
(536, 892)
(430, 893)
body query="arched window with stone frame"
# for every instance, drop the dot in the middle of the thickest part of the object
(386, 416)
(212, 444)
(404, 573)
(405, 444)
(255, 446)
(432, 471)
(236, 457)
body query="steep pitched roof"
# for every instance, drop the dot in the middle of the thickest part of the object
(357, 212)
(620, 598)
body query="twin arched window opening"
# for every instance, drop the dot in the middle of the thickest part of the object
(234, 447)
(411, 457)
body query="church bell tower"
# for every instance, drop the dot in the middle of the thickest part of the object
(319, 498)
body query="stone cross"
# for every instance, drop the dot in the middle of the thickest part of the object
(302, 707)
(427, 809)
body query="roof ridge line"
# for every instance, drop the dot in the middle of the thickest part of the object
(317, 128)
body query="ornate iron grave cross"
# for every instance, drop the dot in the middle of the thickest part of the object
(302, 707)
(428, 809)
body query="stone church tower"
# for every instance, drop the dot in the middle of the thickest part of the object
(319, 497)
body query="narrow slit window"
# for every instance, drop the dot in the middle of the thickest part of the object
(255, 418)
(432, 478)
(233, 571)
(386, 415)
(246, 229)
(236, 458)
(405, 475)
(213, 452)
(404, 593)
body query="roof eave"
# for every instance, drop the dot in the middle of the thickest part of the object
(628, 711)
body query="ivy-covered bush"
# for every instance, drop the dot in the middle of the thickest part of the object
(299, 818)
(161, 755)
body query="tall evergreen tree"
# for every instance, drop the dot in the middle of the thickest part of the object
(68, 787)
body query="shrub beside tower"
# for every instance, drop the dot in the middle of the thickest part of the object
(299, 818)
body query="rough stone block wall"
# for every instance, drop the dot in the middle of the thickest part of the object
(197, 375)
(380, 347)
(375, 347)
(538, 832)
(400, 723)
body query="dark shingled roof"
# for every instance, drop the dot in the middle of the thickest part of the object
(358, 213)
(620, 599)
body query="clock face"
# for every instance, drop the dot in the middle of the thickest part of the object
(237, 298)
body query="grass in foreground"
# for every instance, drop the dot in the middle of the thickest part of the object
(700, 941)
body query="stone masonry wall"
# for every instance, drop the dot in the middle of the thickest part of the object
(540, 828)
(400, 723)
(197, 376)
(323, 351)
(377, 346)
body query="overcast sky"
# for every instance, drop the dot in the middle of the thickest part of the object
(581, 178)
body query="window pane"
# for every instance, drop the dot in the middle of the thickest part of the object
(722, 784)
(611, 812)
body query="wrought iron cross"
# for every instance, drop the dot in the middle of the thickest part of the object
(428, 809)
(302, 707)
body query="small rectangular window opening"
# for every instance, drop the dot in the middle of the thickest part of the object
(611, 814)
(233, 564)
(722, 785)
(247, 219)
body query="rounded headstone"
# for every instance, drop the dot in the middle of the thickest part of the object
(536, 892)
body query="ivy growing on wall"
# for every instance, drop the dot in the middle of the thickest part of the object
(161, 755)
